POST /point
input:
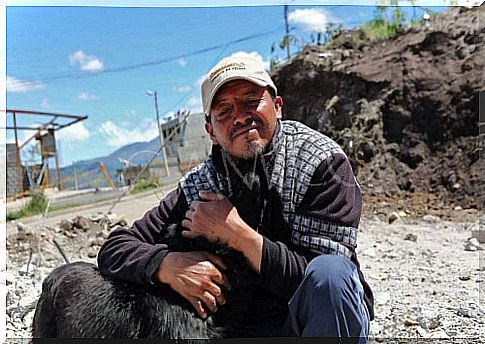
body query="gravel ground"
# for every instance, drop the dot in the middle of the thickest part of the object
(426, 284)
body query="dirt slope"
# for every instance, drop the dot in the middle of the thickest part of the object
(404, 109)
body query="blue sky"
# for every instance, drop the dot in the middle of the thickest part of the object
(99, 61)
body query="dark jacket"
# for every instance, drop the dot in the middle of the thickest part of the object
(332, 197)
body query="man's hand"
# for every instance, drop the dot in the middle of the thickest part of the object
(197, 277)
(214, 218)
(217, 220)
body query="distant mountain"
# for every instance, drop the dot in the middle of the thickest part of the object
(88, 171)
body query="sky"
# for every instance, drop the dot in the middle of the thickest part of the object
(99, 61)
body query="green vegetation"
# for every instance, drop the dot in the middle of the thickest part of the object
(143, 185)
(36, 205)
(388, 19)
(384, 25)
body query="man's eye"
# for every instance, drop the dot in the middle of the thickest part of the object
(222, 113)
(252, 102)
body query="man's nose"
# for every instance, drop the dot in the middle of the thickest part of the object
(242, 114)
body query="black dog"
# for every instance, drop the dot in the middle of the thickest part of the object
(78, 302)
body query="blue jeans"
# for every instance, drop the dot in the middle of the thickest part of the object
(328, 303)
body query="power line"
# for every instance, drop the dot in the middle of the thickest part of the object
(156, 62)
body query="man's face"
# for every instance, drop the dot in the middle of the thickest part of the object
(243, 118)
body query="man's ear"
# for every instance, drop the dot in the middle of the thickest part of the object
(278, 104)
(210, 130)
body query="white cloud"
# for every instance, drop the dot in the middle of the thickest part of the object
(45, 103)
(17, 85)
(85, 96)
(310, 19)
(73, 133)
(182, 89)
(254, 55)
(182, 62)
(88, 63)
(119, 135)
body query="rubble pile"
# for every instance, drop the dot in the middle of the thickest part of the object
(404, 109)
(34, 252)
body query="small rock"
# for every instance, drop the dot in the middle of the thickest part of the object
(431, 218)
(439, 334)
(97, 241)
(472, 244)
(464, 278)
(96, 217)
(411, 237)
(92, 254)
(467, 312)
(410, 322)
(82, 223)
(393, 217)
(66, 225)
(429, 320)
(458, 207)
(21, 227)
(422, 332)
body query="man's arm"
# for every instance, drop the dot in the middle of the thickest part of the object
(138, 255)
(333, 197)
(135, 253)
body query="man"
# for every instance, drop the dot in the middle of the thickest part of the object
(295, 221)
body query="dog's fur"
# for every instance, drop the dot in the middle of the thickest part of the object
(78, 302)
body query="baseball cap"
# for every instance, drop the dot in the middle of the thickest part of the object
(233, 68)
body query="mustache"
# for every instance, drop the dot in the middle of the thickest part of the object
(248, 123)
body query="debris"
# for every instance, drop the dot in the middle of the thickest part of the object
(439, 334)
(411, 237)
(422, 332)
(21, 227)
(430, 323)
(431, 218)
(97, 216)
(393, 217)
(410, 322)
(82, 222)
(468, 310)
(92, 253)
(63, 254)
(472, 244)
(66, 225)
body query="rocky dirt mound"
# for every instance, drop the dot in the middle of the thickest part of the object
(404, 109)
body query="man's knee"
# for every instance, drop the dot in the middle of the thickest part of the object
(329, 300)
(331, 273)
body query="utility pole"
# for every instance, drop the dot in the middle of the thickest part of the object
(287, 37)
(160, 133)
(75, 176)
